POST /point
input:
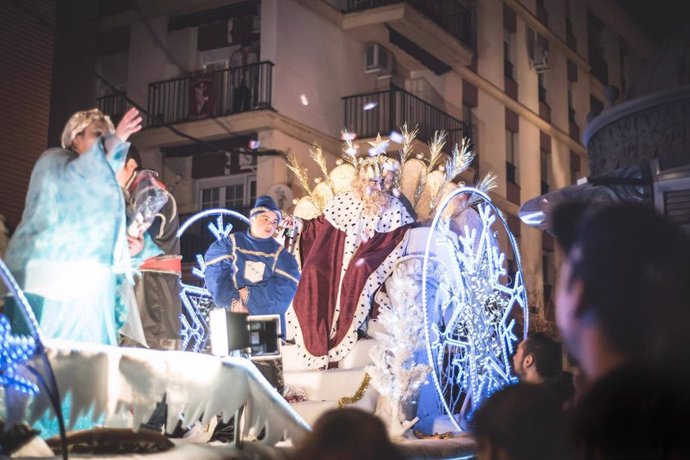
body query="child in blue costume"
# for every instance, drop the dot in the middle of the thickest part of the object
(250, 271)
(70, 253)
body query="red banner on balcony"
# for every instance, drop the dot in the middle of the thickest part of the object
(201, 95)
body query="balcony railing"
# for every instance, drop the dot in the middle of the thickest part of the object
(210, 94)
(452, 15)
(384, 111)
(113, 105)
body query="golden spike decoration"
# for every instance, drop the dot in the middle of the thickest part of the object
(420, 188)
(349, 152)
(485, 185)
(438, 141)
(460, 160)
(437, 196)
(299, 171)
(408, 139)
(317, 155)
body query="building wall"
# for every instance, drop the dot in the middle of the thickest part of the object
(26, 59)
(315, 56)
(491, 109)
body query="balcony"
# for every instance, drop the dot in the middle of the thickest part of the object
(210, 94)
(384, 111)
(451, 15)
(113, 105)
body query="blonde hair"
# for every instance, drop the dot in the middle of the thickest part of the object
(78, 123)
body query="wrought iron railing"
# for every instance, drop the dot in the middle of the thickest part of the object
(452, 15)
(384, 111)
(210, 94)
(113, 105)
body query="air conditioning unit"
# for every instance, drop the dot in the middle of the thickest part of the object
(541, 61)
(378, 59)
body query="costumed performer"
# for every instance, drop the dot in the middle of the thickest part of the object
(157, 290)
(70, 253)
(346, 254)
(250, 272)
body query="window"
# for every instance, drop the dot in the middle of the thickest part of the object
(542, 14)
(597, 59)
(511, 157)
(570, 38)
(469, 117)
(508, 67)
(571, 102)
(234, 196)
(210, 198)
(542, 87)
(236, 192)
(595, 105)
(549, 276)
(545, 164)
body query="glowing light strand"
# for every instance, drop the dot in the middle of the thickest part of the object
(14, 351)
(470, 352)
(196, 300)
(48, 381)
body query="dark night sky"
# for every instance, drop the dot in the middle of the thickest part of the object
(658, 18)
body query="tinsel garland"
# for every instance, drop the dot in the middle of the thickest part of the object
(345, 400)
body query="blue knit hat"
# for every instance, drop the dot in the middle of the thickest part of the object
(265, 203)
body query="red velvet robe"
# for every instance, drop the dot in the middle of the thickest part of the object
(341, 272)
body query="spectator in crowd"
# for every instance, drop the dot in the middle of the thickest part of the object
(635, 412)
(522, 422)
(623, 306)
(538, 360)
(244, 76)
(624, 290)
(348, 434)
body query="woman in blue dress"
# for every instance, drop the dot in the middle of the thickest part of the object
(70, 252)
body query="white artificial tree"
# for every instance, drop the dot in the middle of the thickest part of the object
(395, 373)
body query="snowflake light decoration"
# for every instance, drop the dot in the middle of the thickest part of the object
(14, 351)
(470, 320)
(197, 301)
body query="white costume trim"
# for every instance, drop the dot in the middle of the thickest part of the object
(345, 213)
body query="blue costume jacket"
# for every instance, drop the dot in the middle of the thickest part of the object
(262, 265)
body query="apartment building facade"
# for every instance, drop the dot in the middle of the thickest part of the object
(518, 77)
